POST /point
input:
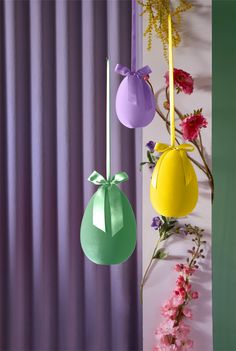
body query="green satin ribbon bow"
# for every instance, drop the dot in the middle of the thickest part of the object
(165, 148)
(108, 189)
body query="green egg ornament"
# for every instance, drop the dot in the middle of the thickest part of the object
(108, 228)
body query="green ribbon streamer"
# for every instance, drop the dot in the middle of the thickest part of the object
(108, 189)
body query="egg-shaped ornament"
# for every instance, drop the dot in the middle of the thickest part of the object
(108, 229)
(135, 101)
(174, 186)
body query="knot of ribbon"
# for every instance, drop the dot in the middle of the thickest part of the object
(125, 71)
(165, 148)
(109, 194)
(139, 92)
(160, 147)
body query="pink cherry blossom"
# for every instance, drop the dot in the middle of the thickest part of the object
(166, 339)
(180, 280)
(187, 287)
(189, 344)
(188, 312)
(184, 344)
(166, 327)
(178, 299)
(173, 332)
(168, 309)
(195, 295)
(179, 267)
(182, 331)
(188, 270)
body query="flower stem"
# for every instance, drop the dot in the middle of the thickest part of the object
(204, 168)
(143, 281)
(208, 171)
(196, 253)
(176, 110)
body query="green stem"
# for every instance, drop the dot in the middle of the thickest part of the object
(201, 144)
(143, 281)
(191, 263)
(176, 110)
(208, 171)
(200, 149)
(195, 255)
(159, 112)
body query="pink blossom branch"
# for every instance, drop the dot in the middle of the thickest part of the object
(173, 332)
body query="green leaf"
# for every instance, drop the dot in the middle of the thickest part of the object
(162, 231)
(160, 254)
(164, 219)
(173, 222)
(167, 235)
(149, 156)
(142, 164)
(170, 226)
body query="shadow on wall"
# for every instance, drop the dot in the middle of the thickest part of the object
(190, 33)
(203, 83)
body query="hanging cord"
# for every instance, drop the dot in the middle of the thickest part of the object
(108, 124)
(171, 84)
(133, 36)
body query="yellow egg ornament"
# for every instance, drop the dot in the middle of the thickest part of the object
(174, 186)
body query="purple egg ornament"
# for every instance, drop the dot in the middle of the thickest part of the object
(135, 101)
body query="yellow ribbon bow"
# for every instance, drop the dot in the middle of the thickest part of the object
(165, 148)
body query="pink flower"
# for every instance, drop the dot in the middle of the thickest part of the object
(146, 77)
(189, 344)
(179, 267)
(182, 292)
(168, 310)
(182, 331)
(178, 299)
(166, 327)
(184, 268)
(195, 295)
(172, 334)
(166, 339)
(184, 345)
(182, 81)
(182, 286)
(188, 312)
(180, 280)
(187, 287)
(189, 270)
(191, 126)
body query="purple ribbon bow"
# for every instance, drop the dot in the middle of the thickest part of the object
(125, 71)
(138, 90)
